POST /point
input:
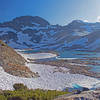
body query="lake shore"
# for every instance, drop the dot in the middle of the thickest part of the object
(50, 77)
(58, 68)
(76, 66)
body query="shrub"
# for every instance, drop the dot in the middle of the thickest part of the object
(2, 97)
(6, 94)
(22, 93)
(2, 43)
(19, 86)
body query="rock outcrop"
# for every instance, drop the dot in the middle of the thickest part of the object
(13, 63)
(87, 95)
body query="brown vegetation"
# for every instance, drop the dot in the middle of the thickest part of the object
(13, 63)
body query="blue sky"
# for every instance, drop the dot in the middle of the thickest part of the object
(55, 11)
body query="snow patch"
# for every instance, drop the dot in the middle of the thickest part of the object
(5, 30)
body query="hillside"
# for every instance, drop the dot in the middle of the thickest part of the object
(12, 62)
(39, 34)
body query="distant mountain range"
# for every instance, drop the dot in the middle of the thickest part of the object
(35, 32)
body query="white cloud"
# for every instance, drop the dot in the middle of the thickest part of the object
(86, 21)
(98, 19)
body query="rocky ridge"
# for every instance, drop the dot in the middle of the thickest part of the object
(35, 32)
(13, 63)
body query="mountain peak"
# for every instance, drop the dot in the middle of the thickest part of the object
(35, 32)
(77, 22)
(31, 19)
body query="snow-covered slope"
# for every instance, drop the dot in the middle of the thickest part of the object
(51, 77)
(27, 32)
(35, 32)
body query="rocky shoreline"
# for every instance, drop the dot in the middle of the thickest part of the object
(76, 66)
(50, 77)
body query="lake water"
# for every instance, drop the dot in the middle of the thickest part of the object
(77, 55)
(82, 55)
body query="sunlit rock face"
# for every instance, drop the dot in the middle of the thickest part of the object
(13, 63)
(35, 32)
